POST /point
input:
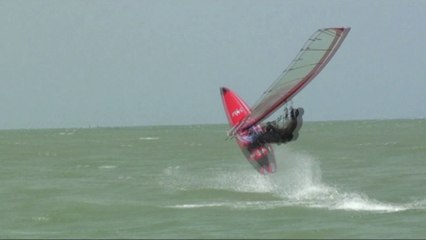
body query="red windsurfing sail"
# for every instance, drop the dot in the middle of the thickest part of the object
(311, 59)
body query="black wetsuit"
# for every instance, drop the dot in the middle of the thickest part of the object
(273, 134)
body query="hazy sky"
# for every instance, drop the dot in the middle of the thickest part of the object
(131, 63)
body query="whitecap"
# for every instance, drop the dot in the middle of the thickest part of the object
(107, 167)
(149, 138)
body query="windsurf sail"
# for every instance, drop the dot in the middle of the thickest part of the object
(310, 60)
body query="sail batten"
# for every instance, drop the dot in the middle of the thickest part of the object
(311, 59)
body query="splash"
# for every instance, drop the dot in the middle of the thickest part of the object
(300, 182)
(179, 178)
(297, 183)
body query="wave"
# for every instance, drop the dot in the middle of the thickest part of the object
(297, 183)
(149, 138)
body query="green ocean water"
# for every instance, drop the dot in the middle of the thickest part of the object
(350, 179)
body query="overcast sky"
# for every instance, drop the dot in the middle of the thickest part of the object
(132, 63)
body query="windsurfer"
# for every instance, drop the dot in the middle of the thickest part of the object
(272, 132)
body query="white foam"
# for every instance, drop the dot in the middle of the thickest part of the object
(302, 185)
(356, 202)
(235, 205)
(149, 138)
(296, 183)
(107, 167)
(40, 219)
(68, 132)
(198, 205)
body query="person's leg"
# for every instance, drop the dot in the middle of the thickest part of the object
(299, 122)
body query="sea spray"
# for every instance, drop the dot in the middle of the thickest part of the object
(299, 181)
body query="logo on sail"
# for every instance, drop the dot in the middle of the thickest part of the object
(238, 112)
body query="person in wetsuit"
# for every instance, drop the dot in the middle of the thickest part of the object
(273, 133)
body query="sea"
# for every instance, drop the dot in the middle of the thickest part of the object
(340, 179)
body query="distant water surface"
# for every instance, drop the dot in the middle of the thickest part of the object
(352, 179)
